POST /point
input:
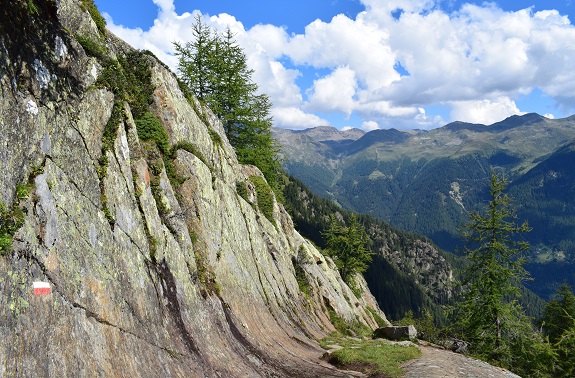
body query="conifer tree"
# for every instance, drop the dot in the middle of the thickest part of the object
(348, 247)
(197, 61)
(559, 326)
(559, 313)
(215, 68)
(489, 315)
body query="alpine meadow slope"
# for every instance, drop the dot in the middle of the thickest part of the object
(126, 197)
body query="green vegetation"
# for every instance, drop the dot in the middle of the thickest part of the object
(242, 190)
(346, 327)
(265, 197)
(559, 326)
(430, 189)
(426, 328)
(214, 68)
(559, 313)
(301, 277)
(206, 276)
(216, 138)
(89, 6)
(23, 190)
(378, 319)
(32, 7)
(395, 291)
(187, 146)
(92, 47)
(11, 219)
(348, 248)
(370, 356)
(129, 78)
(150, 128)
(489, 315)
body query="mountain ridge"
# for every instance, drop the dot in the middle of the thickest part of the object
(426, 181)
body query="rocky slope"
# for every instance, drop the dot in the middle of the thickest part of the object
(150, 275)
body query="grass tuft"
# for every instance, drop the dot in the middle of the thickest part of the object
(372, 357)
(264, 196)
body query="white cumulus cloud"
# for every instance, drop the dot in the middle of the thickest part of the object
(484, 111)
(394, 61)
(294, 118)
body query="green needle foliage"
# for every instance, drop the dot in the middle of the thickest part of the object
(215, 69)
(559, 325)
(489, 316)
(559, 313)
(348, 248)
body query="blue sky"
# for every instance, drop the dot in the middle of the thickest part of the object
(380, 64)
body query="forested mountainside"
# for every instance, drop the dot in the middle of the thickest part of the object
(426, 182)
(408, 272)
(126, 246)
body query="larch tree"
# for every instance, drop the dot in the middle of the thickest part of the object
(559, 313)
(489, 316)
(215, 69)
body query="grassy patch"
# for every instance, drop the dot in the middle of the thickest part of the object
(11, 220)
(187, 146)
(378, 319)
(265, 197)
(216, 138)
(92, 47)
(94, 13)
(372, 357)
(301, 277)
(348, 328)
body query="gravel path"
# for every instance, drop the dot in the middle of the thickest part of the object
(439, 363)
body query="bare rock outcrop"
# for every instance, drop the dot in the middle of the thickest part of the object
(148, 277)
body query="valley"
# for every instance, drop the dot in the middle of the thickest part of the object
(426, 182)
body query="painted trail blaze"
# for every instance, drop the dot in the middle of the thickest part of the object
(41, 288)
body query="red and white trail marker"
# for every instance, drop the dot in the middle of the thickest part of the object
(41, 288)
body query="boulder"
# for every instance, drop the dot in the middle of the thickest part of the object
(396, 333)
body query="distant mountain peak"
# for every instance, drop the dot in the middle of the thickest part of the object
(330, 133)
(508, 123)
(517, 121)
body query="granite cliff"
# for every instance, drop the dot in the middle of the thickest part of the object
(161, 259)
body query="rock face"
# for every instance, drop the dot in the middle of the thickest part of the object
(148, 278)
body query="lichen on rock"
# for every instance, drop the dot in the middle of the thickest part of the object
(162, 277)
